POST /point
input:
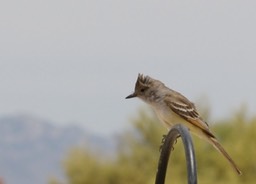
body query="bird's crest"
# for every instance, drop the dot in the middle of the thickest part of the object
(144, 80)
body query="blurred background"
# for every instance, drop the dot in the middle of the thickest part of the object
(66, 67)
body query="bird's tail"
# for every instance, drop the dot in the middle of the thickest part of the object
(218, 146)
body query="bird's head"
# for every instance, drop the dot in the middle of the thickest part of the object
(145, 88)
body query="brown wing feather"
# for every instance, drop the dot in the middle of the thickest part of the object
(187, 110)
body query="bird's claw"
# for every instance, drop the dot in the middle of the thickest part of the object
(163, 140)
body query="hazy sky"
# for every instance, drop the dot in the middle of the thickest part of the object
(75, 61)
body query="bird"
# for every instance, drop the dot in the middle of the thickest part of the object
(171, 107)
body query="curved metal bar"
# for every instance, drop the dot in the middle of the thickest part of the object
(174, 133)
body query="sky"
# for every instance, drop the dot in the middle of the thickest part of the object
(74, 62)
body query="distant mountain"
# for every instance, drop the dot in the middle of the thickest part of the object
(32, 149)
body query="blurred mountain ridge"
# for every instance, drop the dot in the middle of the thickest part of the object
(32, 148)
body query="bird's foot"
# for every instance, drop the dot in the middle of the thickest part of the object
(163, 140)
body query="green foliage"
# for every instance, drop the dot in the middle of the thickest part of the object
(138, 154)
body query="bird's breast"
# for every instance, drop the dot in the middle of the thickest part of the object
(167, 116)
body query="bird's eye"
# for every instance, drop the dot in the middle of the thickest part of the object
(142, 90)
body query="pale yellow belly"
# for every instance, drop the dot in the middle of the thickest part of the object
(170, 118)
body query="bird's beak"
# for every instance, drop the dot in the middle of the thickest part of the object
(131, 96)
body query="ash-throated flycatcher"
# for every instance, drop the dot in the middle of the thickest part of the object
(172, 108)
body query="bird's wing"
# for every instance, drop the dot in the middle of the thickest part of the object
(186, 110)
